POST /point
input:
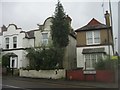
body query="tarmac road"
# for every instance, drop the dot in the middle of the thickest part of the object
(33, 83)
(29, 84)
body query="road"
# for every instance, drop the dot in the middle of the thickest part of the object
(28, 84)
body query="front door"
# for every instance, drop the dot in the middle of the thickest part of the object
(13, 63)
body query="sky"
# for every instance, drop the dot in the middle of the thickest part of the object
(26, 14)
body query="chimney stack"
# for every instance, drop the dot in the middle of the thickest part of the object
(107, 18)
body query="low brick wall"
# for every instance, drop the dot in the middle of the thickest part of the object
(75, 75)
(49, 74)
(105, 76)
(100, 76)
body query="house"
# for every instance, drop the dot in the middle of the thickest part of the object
(43, 38)
(94, 42)
(14, 44)
(15, 41)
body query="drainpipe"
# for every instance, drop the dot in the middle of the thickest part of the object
(111, 25)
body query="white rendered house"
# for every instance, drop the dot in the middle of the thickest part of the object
(14, 45)
(43, 38)
(15, 41)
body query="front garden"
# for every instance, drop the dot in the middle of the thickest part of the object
(105, 71)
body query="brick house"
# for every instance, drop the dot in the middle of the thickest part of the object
(94, 41)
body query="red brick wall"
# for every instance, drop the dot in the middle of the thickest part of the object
(100, 76)
(75, 75)
(105, 76)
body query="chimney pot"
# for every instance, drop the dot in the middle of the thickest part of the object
(107, 18)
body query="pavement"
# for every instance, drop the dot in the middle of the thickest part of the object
(68, 82)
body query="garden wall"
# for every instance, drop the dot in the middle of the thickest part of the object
(98, 75)
(49, 74)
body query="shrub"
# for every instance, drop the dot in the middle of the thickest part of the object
(107, 64)
(100, 65)
(45, 59)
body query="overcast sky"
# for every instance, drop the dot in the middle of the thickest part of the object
(26, 14)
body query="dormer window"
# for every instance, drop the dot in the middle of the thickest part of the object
(7, 43)
(14, 42)
(93, 37)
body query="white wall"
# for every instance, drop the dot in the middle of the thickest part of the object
(46, 29)
(10, 33)
(49, 74)
(47, 24)
(19, 53)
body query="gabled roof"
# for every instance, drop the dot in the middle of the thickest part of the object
(93, 25)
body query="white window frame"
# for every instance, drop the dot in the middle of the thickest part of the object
(93, 37)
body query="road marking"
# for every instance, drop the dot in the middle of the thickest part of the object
(11, 86)
(15, 87)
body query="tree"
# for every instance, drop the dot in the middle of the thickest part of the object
(6, 61)
(60, 27)
(60, 32)
(34, 56)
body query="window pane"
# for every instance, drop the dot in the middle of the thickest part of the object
(99, 56)
(44, 38)
(14, 42)
(14, 45)
(89, 37)
(7, 40)
(45, 42)
(87, 59)
(45, 35)
(7, 46)
(93, 60)
(96, 36)
(14, 39)
(90, 41)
